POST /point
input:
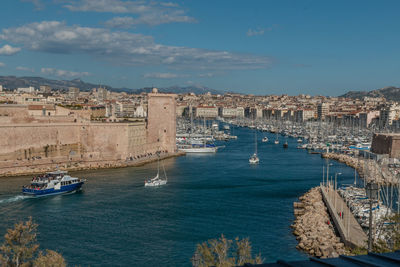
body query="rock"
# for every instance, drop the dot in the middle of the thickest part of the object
(311, 230)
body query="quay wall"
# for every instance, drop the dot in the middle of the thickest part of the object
(45, 165)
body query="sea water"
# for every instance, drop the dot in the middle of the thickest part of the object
(116, 221)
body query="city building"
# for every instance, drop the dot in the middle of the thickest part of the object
(45, 89)
(206, 112)
(73, 93)
(322, 110)
(29, 89)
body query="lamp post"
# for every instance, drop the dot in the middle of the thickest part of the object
(372, 190)
(336, 175)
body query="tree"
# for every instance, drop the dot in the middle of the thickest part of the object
(19, 247)
(220, 253)
(21, 250)
(50, 259)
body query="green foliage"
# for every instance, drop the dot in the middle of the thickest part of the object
(19, 247)
(50, 259)
(359, 251)
(220, 253)
(21, 250)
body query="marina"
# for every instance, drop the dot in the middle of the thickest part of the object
(206, 195)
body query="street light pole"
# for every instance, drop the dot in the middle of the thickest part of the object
(372, 191)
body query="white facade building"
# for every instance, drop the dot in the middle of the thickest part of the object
(29, 89)
(206, 112)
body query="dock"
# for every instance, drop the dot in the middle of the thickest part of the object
(350, 231)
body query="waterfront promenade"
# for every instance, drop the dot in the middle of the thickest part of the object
(347, 226)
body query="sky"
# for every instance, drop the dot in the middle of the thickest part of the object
(264, 47)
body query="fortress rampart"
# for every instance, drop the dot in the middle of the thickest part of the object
(32, 141)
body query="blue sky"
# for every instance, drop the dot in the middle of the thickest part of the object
(253, 46)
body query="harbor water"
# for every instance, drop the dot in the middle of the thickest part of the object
(116, 221)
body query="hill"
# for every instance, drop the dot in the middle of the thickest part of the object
(13, 82)
(390, 93)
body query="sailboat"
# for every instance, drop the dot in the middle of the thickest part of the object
(199, 148)
(157, 181)
(254, 158)
(265, 139)
(285, 145)
(276, 140)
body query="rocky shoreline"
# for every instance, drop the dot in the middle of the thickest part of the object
(313, 227)
(367, 169)
(42, 167)
(355, 163)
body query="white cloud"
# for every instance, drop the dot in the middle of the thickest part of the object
(21, 68)
(8, 50)
(206, 75)
(260, 31)
(2, 65)
(147, 12)
(124, 48)
(161, 75)
(63, 73)
(37, 3)
(120, 22)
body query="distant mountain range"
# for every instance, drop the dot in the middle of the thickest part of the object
(13, 82)
(390, 93)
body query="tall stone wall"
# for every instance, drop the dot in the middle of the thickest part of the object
(94, 140)
(33, 138)
(161, 116)
(386, 144)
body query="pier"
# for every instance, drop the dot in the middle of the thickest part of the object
(347, 226)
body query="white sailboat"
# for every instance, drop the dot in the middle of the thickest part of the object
(265, 139)
(157, 181)
(276, 140)
(254, 158)
(199, 148)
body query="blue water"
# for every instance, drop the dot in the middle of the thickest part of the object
(116, 221)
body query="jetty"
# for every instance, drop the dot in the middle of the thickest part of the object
(350, 231)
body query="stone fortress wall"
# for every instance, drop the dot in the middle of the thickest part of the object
(33, 139)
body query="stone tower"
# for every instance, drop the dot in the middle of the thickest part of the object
(161, 120)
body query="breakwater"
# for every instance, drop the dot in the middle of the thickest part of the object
(368, 169)
(313, 227)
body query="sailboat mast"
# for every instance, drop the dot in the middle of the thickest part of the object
(255, 140)
(158, 166)
(204, 127)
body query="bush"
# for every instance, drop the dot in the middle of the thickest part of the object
(220, 253)
(20, 249)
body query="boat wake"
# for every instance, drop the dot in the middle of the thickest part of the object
(13, 199)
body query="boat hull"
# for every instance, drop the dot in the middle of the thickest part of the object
(51, 192)
(156, 183)
(199, 150)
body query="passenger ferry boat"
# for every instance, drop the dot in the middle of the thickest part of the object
(53, 183)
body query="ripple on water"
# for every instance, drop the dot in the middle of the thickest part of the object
(116, 221)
